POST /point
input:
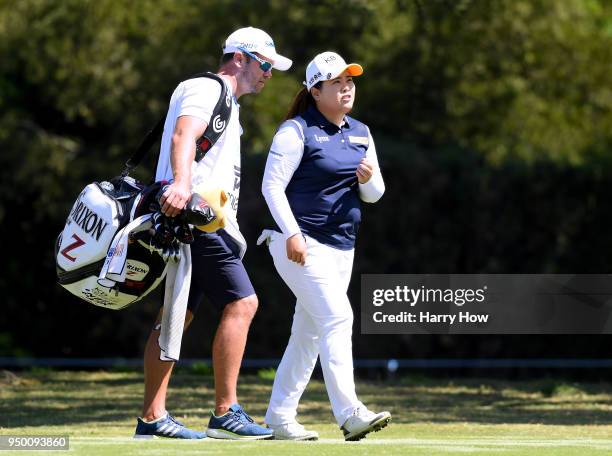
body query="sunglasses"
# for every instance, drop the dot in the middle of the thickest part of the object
(265, 66)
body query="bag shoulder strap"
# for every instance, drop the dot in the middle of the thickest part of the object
(219, 120)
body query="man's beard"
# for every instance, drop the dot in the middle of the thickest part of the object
(250, 81)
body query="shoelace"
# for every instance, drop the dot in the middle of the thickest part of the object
(175, 420)
(242, 415)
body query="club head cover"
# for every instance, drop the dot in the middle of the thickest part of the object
(216, 199)
(197, 211)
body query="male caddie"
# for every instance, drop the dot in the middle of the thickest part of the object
(249, 55)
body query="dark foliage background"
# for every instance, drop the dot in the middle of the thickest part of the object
(492, 121)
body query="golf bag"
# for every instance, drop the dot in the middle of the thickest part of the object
(116, 244)
(109, 225)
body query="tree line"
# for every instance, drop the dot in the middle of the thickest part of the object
(492, 121)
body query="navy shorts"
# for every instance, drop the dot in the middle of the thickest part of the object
(217, 271)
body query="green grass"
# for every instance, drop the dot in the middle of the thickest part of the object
(430, 417)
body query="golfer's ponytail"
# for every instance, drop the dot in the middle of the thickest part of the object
(302, 100)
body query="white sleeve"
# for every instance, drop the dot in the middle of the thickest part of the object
(372, 190)
(199, 98)
(283, 159)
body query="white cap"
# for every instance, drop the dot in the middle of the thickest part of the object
(256, 40)
(329, 65)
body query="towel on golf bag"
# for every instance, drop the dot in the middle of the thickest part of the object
(176, 295)
(178, 278)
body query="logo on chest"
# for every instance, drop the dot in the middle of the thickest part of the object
(321, 138)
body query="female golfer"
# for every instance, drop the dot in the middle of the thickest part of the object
(321, 164)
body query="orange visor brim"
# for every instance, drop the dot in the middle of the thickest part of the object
(354, 69)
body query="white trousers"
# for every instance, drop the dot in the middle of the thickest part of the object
(322, 326)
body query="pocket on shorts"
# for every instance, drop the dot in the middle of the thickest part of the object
(230, 243)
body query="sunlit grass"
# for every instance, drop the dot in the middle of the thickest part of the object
(98, 409)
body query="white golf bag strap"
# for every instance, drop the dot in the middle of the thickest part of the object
(135, 206)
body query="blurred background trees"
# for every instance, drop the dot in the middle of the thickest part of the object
(492, 119)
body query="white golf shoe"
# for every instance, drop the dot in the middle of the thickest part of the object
(362, 422)
(292, 431)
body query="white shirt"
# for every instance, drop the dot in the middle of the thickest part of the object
(220, 167)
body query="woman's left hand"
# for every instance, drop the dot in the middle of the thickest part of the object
(364, 171)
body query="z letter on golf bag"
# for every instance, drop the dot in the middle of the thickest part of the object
(104, 254)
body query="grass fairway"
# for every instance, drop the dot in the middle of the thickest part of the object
(430, 417)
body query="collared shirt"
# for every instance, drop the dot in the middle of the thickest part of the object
(310, 183)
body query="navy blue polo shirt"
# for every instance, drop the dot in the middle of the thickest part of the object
(324, 191)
